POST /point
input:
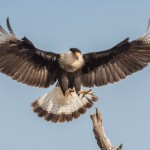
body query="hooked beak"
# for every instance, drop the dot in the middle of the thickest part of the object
(76, 55)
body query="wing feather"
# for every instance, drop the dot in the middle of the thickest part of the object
(9, 27)
(103, 74)
(111, 65)
(113, 74)
(17, 70)
(97, 75)
(117, 69)
(23, 62)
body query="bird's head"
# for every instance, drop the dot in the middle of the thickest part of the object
(76, 53)
(73, 58)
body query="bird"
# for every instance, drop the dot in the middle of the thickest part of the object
(70, 71)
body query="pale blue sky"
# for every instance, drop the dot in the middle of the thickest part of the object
(88, 25)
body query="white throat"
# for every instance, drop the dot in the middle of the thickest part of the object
(69, 59)
(70, 63)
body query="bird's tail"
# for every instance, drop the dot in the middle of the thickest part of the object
(56, 107)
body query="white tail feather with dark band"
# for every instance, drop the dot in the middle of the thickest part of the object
(56, 107)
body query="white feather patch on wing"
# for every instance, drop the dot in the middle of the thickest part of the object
(56, 107)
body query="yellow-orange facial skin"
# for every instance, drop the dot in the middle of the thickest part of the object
(76, 55)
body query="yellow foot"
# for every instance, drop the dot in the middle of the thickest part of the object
(87, 93)
(84, 92)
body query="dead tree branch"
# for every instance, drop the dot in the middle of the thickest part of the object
(99, 132)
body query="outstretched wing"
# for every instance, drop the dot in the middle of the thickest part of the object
(111, 65)
(20, 60)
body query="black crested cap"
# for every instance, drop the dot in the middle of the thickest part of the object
(73, 50)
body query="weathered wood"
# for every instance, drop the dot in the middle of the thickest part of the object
(99, 132)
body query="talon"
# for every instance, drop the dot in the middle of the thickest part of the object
(84, 92)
